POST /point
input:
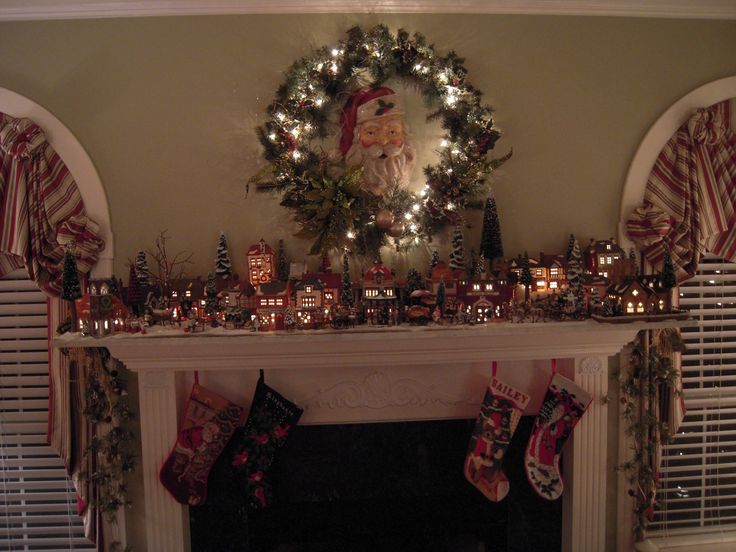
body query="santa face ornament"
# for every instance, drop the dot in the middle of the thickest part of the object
(375, 137)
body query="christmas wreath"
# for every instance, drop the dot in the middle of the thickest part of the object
(331, 204)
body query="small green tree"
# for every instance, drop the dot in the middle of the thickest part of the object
(289, 318)
(480, 266)
(491, 244)
(574, 273)
(223, 266)
(472, 263)
(346, 293)
(433, 262)
(574, 267)
(135, 293)
(283, 266)
(142, 271)
(526, 276)
(457, 257)
(441, 296)
(668, 276)
(70, 288)
(570, 245)
(210, 290)
(112, 286)
(413, 283)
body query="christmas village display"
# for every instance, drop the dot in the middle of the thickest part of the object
(357, 198)
(599, 281)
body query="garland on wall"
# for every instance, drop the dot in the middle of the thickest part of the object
(329, 206)
(645, 387)
(108, 455)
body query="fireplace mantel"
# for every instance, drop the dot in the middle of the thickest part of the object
(375, 375)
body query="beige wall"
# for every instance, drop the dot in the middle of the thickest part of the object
(166, 109)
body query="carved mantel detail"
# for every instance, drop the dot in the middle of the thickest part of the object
(379, 390)
(591, 365)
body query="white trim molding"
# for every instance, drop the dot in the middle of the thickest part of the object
(402, 374)
(712, 542)
(16, 10)
(77, 161)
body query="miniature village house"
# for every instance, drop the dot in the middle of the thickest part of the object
(331, 286)
(632, 296)
(309, 302)
(186, 294)
(553, 278)
(660, 297)
(379, 295)
(261, 263)
(602, 257)
(104, 312)
(270, 303)
(483, 296)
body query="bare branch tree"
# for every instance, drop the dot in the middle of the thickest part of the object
(167, 268)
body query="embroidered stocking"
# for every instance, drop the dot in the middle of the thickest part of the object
(564, 404)
(270, 419)
(499, 415)
(209, 422)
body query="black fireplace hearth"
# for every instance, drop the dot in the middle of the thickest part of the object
(377, 487)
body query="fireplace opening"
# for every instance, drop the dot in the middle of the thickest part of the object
(377, 487)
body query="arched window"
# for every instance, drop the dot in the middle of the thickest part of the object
(39, 500)
(696, 495)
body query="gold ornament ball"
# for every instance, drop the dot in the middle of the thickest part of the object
(396, 230)
(384, 219)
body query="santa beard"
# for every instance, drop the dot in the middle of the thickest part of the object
(383, 166)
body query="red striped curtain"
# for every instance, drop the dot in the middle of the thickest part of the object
(41, 209)
(690, 199)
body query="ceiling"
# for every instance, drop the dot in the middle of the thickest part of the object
(18, 10)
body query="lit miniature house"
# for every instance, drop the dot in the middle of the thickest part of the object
(310, 300)
(271, 301)
(103, 311)
(660, 300)
(554, 267)
(481, 297)
(379, 295)
(331, 285)
(538, 271)
(187, 294)
(603, 257)
(260, 260)
(633, 296)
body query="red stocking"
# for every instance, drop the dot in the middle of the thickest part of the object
(564, 404)
(499, 415)
(209, 422)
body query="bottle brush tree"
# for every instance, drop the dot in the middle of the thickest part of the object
(70, 288)
(223, 266)
(491, 244)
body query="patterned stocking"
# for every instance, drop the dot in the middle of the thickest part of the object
(209, 422)
(499, 415)
(269, 422)
(564, 404)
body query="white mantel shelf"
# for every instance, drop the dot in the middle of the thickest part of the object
(377, 375)
(402, 345)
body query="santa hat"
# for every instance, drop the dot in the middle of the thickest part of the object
(365, 104)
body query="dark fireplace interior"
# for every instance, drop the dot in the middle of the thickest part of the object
(378, 487)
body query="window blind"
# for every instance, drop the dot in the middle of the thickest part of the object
(698, 473)
(37, 500)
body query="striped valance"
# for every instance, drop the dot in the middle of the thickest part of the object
(41, 209)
